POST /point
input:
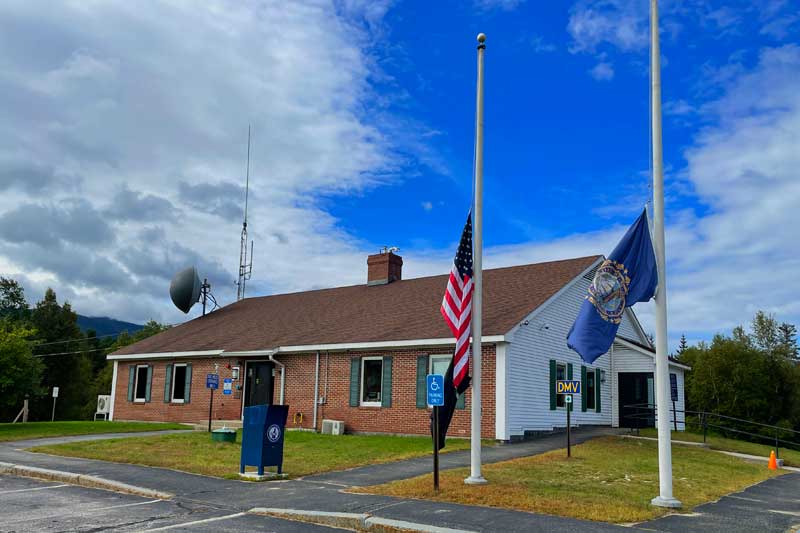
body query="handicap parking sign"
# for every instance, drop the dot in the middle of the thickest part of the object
(435, 389)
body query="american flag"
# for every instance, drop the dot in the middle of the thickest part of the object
(457, 304)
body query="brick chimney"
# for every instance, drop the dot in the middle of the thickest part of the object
(384, 268)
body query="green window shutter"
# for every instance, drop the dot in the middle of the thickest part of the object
(168, 384)
(584, 391)
(597, 390)
(422, 372)
(355, 369)
(569, 376)
(386, 389)
(149, 382)
(552, 384)
(188, 385)
(461, 400)
(131, 379)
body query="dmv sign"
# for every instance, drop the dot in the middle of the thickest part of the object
(568, 386)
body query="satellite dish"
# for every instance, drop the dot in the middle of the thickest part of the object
(185, 289)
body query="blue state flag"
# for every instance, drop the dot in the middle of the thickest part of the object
(629, 275)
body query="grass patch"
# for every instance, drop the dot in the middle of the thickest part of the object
(609, 479)
(35, 430)
(715, 442)
(304, 452)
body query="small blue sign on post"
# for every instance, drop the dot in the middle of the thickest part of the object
(212, 381)
(227, 386)
(435, 390)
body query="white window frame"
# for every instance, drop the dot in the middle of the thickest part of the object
(430, 364)
(136, 385)
(363, 403)
(172, 392)
(561, 396)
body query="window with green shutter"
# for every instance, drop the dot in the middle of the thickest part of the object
(597, 374)
(187, 390)
(584, 386)
(355, 368)
(131, 381)
(168, 385)
(422, 372)
(386, 393)
(553, 395)
(591, 390)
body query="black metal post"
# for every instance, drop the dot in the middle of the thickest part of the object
(569, 428)
(210, 407)
(777, 453)
(436, 449)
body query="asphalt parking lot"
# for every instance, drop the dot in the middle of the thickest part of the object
(33, 505)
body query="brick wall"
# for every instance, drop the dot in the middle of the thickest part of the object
(225, 407)
(402, 417)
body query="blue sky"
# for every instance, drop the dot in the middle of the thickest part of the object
(122, 152)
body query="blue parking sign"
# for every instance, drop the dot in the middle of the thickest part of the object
(435, 390)
(212, 381)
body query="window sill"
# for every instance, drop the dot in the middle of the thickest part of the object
(371, 405)
(139, 400)
(178, 402)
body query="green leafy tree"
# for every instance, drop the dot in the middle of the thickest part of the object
(12, 300)
(21, 371)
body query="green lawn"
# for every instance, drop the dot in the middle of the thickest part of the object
(611, 479)
(35, 430)
(790, 457)
(304, 452)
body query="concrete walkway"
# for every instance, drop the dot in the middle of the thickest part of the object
(384, 473)
(47, 441)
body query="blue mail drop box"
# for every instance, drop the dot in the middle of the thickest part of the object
(262, 437)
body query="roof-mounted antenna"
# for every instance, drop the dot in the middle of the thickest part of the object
(245, 267)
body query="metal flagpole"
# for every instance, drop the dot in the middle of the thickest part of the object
(475, 477)
(665, 498)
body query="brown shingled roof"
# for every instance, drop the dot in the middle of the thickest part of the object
(402, 310)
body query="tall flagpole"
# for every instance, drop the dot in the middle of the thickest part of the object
(665, 498)
(475, 477)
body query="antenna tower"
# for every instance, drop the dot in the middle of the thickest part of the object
(245, 262)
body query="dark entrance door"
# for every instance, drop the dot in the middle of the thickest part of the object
(259, 383)
(636, 389)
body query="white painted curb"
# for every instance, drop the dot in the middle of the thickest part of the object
(82, 480)
(362, 521)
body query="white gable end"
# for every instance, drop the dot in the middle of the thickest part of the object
(533, 344)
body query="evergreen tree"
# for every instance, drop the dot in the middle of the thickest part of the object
(788, 339)
(682, 345)
(67, 366)
(21, 372)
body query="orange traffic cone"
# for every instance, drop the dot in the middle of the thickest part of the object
(773, 464)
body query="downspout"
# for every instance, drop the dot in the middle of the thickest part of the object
(316, 391)
(283, 377)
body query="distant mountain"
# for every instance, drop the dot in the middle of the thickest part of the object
(106, 326)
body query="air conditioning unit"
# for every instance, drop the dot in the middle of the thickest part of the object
(333, 427)
(103, 404)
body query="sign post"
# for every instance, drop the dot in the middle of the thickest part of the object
(55, 397)
(568, 387)
(212, 382)
(435, 388)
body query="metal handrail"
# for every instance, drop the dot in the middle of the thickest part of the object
(651, 409)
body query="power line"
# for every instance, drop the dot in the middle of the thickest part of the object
(75, 340)
(78, 351)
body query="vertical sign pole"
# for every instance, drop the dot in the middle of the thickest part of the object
(475, 476)
(53, 416)
(210, 407)
(665, 497)
(436, 449)
(675, 415)
(569, 428)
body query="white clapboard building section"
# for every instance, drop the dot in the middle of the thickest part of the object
(536, 354)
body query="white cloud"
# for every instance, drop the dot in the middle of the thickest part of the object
(602, 71)
(504, 5)
(427, 205)
(146, 109)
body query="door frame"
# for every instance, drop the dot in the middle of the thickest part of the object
(645, 376)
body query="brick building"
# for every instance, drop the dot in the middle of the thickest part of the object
(360, 354)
